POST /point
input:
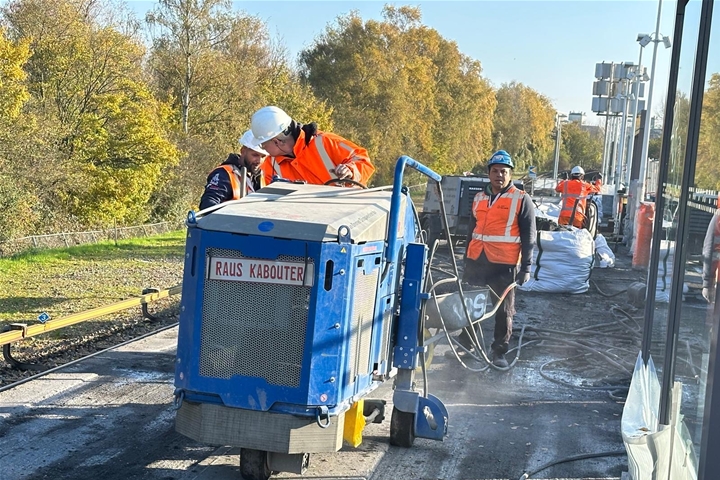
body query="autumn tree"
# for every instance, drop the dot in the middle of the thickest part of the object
(397, 87)
(580, 147)
(88, 88)
(16, 202)
(707, 169)
(523, 123)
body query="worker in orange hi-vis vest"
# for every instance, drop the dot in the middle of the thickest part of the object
(500, 248)
(574, 197)
(301, 152)
(225, 182)
(711, 257)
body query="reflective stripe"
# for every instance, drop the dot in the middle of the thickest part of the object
(329, 165)
(496, 238)
(276, 167)
(513, 211)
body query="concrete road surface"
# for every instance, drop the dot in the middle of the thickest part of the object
(111, 417)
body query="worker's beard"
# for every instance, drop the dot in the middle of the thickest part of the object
(252, 169)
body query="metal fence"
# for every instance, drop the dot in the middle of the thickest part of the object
(69, 239)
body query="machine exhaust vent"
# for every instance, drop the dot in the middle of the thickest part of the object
(362, 321)
(254, 329)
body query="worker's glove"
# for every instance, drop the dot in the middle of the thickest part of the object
(708, 294)
(522, 277)
(343, 171)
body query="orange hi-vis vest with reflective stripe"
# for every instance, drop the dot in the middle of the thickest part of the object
(315, 162)
(497, 232)
(574, 192)
(235, 182)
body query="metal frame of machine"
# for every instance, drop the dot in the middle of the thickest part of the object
(298, 301)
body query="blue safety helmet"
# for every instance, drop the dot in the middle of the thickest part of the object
(501, 157)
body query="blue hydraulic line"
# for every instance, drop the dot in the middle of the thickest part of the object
(395, 200)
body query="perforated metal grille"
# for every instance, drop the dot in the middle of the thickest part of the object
(387, 325)
(362, 321)
(253, 329)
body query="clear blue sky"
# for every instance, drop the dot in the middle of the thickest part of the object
(551, 46)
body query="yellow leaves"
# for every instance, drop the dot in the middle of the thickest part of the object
(13, 90)
(707, 172)
(399, 88)
(523, 122)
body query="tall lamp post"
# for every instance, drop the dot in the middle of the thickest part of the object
(639, 77)
(646, 123)
(558, 131)
(656, 38)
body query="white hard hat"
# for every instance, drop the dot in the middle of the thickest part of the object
(578, 170)
(248, 140)
(269, 122)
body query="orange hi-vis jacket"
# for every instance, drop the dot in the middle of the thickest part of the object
(574, 191)
(711, 252)
(235, 182)
(315, 160)
(497, 231)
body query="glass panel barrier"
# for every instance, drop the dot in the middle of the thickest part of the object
(671, 188)
(702, 241)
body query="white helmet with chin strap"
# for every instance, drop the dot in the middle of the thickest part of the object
(269, 122)
(577, 171)
(248, 140)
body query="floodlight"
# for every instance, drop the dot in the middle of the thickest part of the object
(644, 40)
(666, 42)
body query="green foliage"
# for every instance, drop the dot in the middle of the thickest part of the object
(13, 90)
(654, 147)
(580, 147)
(87, 82)
(522, 125)
(397, 87)
(707, 169)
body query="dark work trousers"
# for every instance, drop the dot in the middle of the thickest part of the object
(482, 272)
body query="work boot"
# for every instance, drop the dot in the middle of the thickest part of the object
(498, 359)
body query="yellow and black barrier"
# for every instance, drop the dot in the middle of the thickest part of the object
(21, 331)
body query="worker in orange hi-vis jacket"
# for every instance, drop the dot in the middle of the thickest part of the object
(711, 257)
(574, 197)
(302, 152)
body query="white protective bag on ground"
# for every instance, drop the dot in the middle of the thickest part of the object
(562, 262)
(605, 255)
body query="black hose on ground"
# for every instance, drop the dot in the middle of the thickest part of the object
(574, 458)
(608, 295)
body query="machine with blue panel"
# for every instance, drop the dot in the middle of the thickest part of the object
(298, 301)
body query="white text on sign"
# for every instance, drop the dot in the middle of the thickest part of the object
(263, 271)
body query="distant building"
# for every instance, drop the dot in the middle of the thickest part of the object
(577, 117)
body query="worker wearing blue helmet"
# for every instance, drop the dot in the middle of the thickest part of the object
(500, 247)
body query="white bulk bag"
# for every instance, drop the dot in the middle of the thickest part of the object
(562, 262)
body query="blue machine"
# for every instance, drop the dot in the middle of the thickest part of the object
(298, 301)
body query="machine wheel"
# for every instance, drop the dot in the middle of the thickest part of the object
(254, 464)
(402, 428)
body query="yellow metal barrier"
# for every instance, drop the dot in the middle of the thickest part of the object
(19, 331)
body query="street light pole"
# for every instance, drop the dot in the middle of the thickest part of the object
(648, 111)
(558, 132)
(636, 101)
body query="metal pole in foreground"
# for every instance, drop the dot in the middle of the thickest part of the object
(648, 107)
(557, 147)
